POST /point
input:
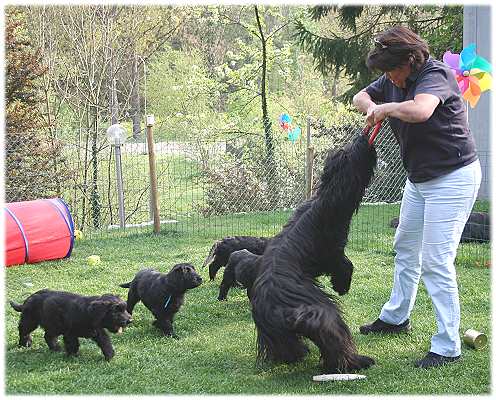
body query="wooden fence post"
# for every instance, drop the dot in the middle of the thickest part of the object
(309, 161)
(150, 121)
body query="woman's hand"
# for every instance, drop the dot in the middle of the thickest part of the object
(417, 110)
(376, 113)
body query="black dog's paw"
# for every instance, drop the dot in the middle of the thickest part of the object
(109, 356)
(360, 362)
(355, 363)
(339, 288)
(171, 335)
(26, 343)
(341, 282)
(340, 291)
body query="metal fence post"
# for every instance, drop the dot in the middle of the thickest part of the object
(120, 190)
(117, 137)
(150, 121)
(309, 161)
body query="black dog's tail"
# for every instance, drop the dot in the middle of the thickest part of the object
(126, 285)
(213, 261)
(17, 307)
(211, 255)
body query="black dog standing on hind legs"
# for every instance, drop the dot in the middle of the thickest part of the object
(162, 294)
(287, 302)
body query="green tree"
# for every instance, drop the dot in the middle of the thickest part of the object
(30, 154)
(339, 38)
(95, 57)
(183, 96)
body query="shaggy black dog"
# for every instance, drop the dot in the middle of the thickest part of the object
(73, 316)
(162, 294)
(477, 228)
(222, 249)
(287, 302)
(242, 268)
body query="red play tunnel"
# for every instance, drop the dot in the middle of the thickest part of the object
(38, 230)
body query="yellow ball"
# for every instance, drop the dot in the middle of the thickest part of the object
(78, 235)
(93, 260)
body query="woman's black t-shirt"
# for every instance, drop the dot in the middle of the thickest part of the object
(444, 142)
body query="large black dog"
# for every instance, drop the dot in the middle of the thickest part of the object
(162, 294)
(222, 249)
(477, 228)
(241, 267)
(287, 302)
(73, 316)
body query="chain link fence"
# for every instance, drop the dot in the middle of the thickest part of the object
(245, 185)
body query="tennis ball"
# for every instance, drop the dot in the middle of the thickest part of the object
(78, 235)
(93, 260)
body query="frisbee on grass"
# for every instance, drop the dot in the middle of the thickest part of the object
(337, 377)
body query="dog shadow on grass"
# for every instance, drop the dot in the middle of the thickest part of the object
(39, 359)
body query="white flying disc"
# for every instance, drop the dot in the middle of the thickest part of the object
(337, 377)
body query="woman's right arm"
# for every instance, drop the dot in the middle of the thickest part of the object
(362, 101)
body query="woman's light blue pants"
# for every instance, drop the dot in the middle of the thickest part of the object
(432, 217)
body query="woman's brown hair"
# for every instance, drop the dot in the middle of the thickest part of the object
(396, 47)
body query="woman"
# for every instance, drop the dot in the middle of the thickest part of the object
(428, 117)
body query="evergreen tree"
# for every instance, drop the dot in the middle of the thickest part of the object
(339, 38)
(30, 155)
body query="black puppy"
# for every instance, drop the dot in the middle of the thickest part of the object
(162, 294)
(222, 249)
(242, 268)
(73, 316)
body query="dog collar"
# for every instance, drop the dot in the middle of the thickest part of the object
(167, 301)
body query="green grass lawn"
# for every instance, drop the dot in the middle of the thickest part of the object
(216, 350)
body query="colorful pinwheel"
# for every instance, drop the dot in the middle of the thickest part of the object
(285, 124)
(294, 134)
(285, 121)
(472, 73)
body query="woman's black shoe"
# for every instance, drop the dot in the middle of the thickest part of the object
(432, 360)
(379, 326)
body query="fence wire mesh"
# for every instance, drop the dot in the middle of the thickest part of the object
(243, 185)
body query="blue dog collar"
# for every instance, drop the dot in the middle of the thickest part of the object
(167, 301)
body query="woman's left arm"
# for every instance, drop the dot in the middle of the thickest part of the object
(417, 110)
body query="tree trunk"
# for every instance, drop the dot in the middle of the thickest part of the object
(114, 104)
(270, 162)
(95, 196)
(135, 100)
(335, 80)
